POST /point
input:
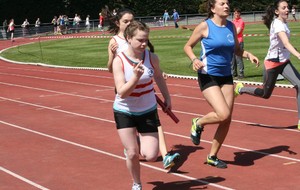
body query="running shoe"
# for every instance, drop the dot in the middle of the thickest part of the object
(214, 161)
(237, 89)
(196, 131)
(299, 126)
(137, 186)
(170, 160)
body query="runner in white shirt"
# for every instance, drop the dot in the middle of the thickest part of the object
(277, 60)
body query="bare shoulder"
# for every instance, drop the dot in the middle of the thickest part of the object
(202, 25)
(112, 40)
(201, 30)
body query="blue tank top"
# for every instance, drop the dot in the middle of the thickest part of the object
(217, 49)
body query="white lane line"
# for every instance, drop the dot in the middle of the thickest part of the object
(236, 103)
(106, 100)
(58, 110)
(55, 92)
(239, 148)
(173, 134)
(52, 71)
(173, 95)
(178, 85)
(22, 178)
(113, 155)
(58, 80)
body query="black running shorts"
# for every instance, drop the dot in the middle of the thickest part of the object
(205, 81)
(146, 123)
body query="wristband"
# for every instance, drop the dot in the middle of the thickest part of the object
(194, 59)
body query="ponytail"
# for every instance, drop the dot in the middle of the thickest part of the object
(270, 13)
(269, 16)
(151, 47)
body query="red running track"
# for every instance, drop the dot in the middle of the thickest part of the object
(57, 132)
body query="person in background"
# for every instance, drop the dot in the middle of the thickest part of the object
(25, 27)
(37, 25)
(87, 23)
(175, 16)
(54, 23)
(11, 29)
(237, 65)
(101, 21)
(76, 23)
(118, 44)
(277, 60)
(166, 17)
(219, 43)
(114, 12)
(4, 29)
(294, 12)
(135, 107)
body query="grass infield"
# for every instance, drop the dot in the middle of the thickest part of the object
(168, 44)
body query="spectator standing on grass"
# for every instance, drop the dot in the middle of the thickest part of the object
(11, 29)
(277, 60)
(237, 65)
(219, 43)
(175, 16)
(166, 17)
(294, 12)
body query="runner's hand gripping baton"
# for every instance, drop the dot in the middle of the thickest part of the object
(168, 111)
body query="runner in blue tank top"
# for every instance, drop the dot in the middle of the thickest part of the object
(217, 49)
(218, 42)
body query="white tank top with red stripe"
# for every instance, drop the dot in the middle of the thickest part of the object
(122, 43)
(142, 99)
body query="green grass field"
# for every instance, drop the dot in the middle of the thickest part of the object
(168, 45)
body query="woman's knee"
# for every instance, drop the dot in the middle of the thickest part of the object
(224, 116)
(132, 154)
(151, 156)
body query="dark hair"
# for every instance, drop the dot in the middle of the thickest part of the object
(151, 47)
(236, 9)
(114, 19)
(270, 13)
(210, 5)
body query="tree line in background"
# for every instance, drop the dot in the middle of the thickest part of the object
(46, 10)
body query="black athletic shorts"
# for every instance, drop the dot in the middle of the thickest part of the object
(146, 123)
(205, 81)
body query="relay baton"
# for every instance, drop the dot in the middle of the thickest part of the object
(168, 111)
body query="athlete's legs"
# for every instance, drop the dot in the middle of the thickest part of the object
(292, 75)
(149, 146)
(129, 141)
(221, 100)
(270, 77)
